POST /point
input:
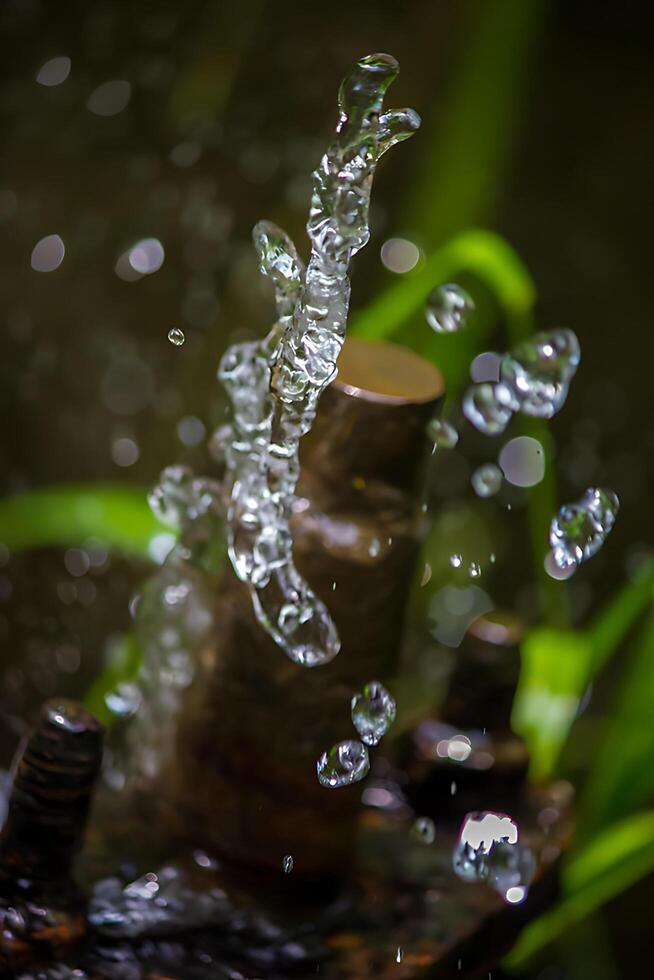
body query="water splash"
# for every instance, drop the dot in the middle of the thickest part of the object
(579, 530)
(274, 385)
(174, 614)
(488, 850)
(448, 308)
(344, 764)
(373, 712)
(486, 480)
(424, 830)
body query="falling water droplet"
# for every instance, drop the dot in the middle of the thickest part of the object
(176, 336)
(345, 763)
(424, 830)
(579, 530)
(287, 864)
(448, 308)
(538, 372)
(373, 712)
(474, 569)
(399, 956)
(484, 408)
(442, 434)
(486, 480)
(488, 850)
(456, 561)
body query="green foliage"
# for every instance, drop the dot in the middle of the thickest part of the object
(611, 863)
(122, 667)
(557, 667)
(115, 516)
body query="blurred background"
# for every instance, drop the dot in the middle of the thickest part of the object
(141, 142)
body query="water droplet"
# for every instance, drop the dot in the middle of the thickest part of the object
(448, 308)
(488, 850)
(483, 408)
(579, 530)
(479, 832)
(486, 480)
(538, 372)
(424, 830)
(523, 461)
(442, 434)
(373, 712)
(553, 570)
(287, 864)
(345, 763)
(176, 336)
(456, 561)
(474, 569)
(399, 956)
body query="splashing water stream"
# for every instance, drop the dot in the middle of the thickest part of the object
(274, 385)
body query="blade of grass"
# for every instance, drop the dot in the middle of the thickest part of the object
(558, 666)
(470, 144)
(123, 667)
(622, 775)
(611, 863)
(116, 516)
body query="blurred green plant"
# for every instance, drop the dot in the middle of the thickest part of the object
(114, 516)
(122, 667)
(612, 862)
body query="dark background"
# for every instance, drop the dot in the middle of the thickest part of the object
(247, 92)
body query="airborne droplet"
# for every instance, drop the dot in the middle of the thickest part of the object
(176, 336)
(442, 434)
(448, 308)
(483, 408)
(373, 712)
(486, 480)
(344, 764)
(539, 370)
(579, 530)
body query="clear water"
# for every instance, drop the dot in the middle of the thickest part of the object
(274, 385)
(373, 712)
(579, 530)
(488, 850)
(448, 308)
(345, 763)
(486, 480)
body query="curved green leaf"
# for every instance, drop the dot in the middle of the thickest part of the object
(115, 516)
